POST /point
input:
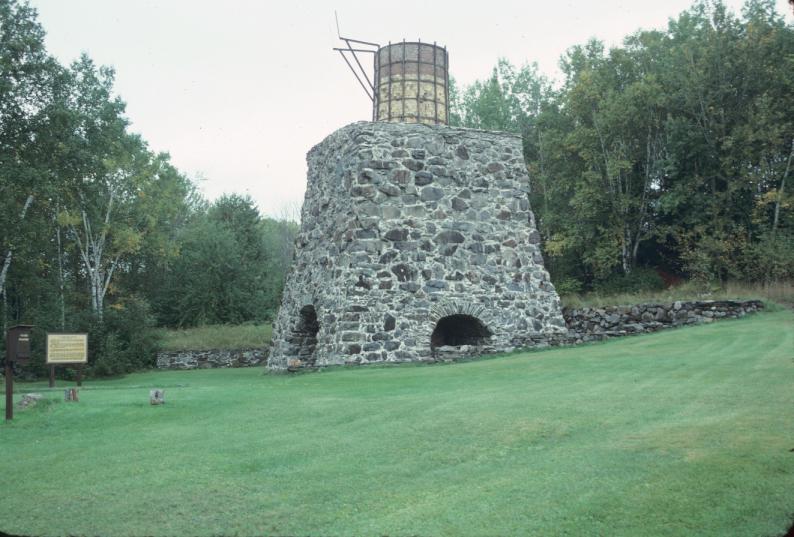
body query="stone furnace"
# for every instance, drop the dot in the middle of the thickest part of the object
(417, 242)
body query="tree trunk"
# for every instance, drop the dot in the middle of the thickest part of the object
(10, 253)
(543, 181)
(780, 191)
(61, 300)
(96, 300)
(635, 248)
(92, 252)
(651, 157)
(625, 253)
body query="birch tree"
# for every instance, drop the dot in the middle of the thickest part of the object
(102, 240)
(105, 182)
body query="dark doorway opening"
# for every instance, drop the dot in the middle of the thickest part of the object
(304, 336)
(456, 330)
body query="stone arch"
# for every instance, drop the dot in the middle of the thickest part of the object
(459, 329)
(304, 334)
(456, 322)
(459, 307)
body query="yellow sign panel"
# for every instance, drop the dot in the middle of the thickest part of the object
(67, 348)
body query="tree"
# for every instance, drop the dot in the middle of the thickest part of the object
(102, 180)
(671, 150)
(89, 217)
(118, 200)
(27, 75)
(230, 268)
(507, 101)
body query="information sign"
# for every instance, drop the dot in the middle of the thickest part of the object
(67, 349)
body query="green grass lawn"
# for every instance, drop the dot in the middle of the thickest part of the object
(685, 432)
(217, 336)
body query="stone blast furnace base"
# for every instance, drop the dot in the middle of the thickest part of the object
(417, 243)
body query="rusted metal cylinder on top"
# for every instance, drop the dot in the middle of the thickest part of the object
(412, 83)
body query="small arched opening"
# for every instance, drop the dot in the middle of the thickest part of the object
(459, 329)
(304, 335)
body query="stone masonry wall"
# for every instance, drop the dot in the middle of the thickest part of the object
(210, 359)
(598, 324)
(586, 324)
(404, 226)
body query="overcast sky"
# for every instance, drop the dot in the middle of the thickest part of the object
(238, 91)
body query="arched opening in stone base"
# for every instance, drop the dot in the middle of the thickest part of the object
(459, 329)
(304, 336)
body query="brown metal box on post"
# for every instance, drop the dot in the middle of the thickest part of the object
(18, 343)
(17, 350)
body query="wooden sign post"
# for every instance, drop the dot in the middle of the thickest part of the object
(17, 350)
(67, 349)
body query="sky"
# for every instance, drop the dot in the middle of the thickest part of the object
(237, 92)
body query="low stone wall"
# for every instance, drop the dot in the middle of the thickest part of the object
(588, 324)
(597, 324)
(211, 359)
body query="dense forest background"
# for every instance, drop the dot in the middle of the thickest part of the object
(662, 159)
(100, 234)
(666, 157)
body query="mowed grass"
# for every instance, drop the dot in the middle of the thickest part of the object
(685, 432)
(218, 336)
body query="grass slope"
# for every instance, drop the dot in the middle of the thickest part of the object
(685, 432)
(216, 336)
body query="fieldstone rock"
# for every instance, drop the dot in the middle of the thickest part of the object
(459, 205)
(413, 165)
(431, 193)
(449, 237)
(397, 234)
(423, 178)
(29, 399)
(157, 397)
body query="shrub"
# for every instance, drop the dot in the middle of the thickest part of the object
(770, 259)
(124, 341)
(568, 286)
(710, 260)
(639, 279)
